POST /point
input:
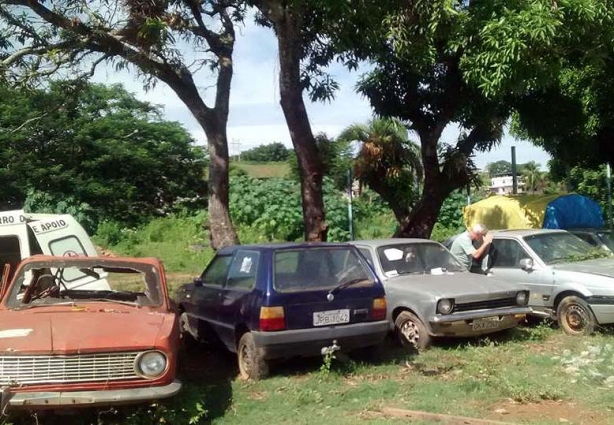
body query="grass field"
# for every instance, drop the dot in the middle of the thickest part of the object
(264, 170)
(529, 375)
(533, 375)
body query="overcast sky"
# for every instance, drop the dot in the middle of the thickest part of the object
(256, 117)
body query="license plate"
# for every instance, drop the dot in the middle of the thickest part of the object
(485, 323)
(331, 317)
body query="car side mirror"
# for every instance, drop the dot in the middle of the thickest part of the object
(526, 264)
(198, 282)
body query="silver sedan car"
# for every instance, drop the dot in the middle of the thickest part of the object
(430, 294)
(570, 280)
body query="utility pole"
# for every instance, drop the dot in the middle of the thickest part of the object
(514, 177)
(609, 186)
(236, 147)
(350, 198)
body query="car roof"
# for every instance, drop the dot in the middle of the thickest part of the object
(85, 261)
(281, 245)
(374, 243)
(526, 232)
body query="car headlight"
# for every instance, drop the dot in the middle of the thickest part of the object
(150, 364)
(445, 306)
(522, 298)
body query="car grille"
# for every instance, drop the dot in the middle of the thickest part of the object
(28, 370)
(486, 304)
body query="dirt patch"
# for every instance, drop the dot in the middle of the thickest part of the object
(551, 411)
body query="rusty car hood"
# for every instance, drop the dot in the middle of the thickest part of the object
(95, 327)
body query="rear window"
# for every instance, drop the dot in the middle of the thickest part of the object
(313, 269)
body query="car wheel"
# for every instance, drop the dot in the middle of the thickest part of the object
(411, 332)
(251, 363)
(186, 336)
(575, 316)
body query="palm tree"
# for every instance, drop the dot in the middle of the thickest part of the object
(533, 178)
(387, 162)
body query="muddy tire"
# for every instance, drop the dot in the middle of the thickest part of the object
(411, 332)
(251, 363)
(575, 316)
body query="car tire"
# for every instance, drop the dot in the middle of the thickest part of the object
(411, 332)
(251, 363)
(575, 316)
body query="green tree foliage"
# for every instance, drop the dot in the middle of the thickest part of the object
(98, 147)
(445, 62)
(273, 207)
(590, 182)
(336, 160)
(498, 168)
(273, 152)
(387, 162)
(533, 178)
(176, 42)
(573, 119)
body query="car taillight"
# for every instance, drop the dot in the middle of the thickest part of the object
(272, 318)
(378, 312)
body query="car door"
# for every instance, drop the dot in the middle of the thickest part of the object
(208, 291)
(14, 241)
(237, 305)
(504, 263)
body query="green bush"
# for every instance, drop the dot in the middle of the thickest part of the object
(109, 233)
(42, 202)
(273, 208)
(181, 242)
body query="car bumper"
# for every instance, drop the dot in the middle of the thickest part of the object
(310, 342)
(66, 399)
(466, 323)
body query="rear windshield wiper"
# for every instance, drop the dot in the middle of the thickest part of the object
(346, 284)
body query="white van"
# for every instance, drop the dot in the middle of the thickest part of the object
(23, 235)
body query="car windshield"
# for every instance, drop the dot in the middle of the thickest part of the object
(607, 238)
(52, 283)
(562, 247)
(407, 258)
(322, 268)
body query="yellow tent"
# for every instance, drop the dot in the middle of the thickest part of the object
(508, 212)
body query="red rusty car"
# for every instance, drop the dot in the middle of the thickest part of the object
(112, 340)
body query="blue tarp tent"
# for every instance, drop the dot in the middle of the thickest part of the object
(569, 211)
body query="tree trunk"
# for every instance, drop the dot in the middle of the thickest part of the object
(221, 230)
(293, 106)
(213, 121)
(419, 223)
(439, 183)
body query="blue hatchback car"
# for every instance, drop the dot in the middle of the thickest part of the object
(282, 300)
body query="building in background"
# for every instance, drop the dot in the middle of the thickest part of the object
(503, 184)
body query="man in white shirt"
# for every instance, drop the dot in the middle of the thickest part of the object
(463, 248)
